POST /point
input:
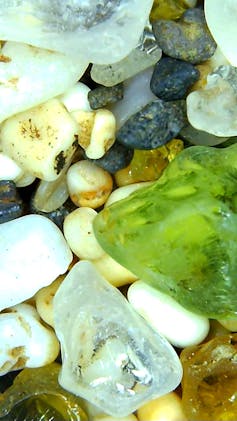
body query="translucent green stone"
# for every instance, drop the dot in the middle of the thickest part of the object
(180, 233)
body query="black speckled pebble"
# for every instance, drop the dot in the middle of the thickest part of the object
(103, 95)
(116, 158)
(153, 126)
(187, 39)
(11, 206)
(172, 78)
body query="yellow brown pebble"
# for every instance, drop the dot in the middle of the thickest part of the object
(165, 408)
(44, 300)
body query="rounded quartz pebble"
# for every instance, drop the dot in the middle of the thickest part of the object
(24, 340)
(11, 205)
(154, 125)
(88, 184)
(9, 170)
(76, 98)
(78, 231)
(187, 39)
(33, 253)
(104, 95)
(172, 78)
(181, 327)
(116, 158)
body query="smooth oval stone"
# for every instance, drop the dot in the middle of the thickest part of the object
(33, 253)
(111, 356)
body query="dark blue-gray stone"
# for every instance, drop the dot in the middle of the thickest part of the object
(116, 158)
(11, 205)
(172, 78)
(103, 95)
(187, 39)
(154, 125)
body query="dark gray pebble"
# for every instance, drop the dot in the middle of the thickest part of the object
(103, 95)
(11, 205)
(172, 78)
(187, 39)
(116, 158)
(153, 126)
(58, 215)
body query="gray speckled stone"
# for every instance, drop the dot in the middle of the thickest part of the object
(154, 125)
(11, 205)
(104, 95)
(187, 39)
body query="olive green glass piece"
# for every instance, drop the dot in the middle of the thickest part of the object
(180, 233)
(36, 395)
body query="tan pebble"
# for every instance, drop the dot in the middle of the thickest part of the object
(78, 231)
(165, 408)
(229, 324)
(96, 131)
(26, 180)
(88, 184)
(113, 272)
(44, 300)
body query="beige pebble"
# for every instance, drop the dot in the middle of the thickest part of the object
(78, 231)
(165, 408)
(44, 300)
(88, 184)
(131, 417)
(41, 140)
(76, 98)
(26, 180)
(96, 131)
(229, 324)
(9, 170)
(124, 191)
(113, 272)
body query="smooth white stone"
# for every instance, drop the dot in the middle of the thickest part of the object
(33, 253)
(124, 191)
(180, 326)
(76, 98)
(24, 340)
(9, 170)
(32, 75)
(72, 26)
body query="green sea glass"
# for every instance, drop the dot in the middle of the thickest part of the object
(180, 233)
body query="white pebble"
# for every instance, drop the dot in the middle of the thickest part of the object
(78, 231)
(30, 76)
(41, 140)
(180, 326)
(24, 340)
(76, 98)
(33, 253)
(88, 184)
(26, 180)
(113, 272)
(9, 170)
(124, 191)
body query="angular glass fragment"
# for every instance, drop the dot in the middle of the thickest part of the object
(180, 233)
(72, 26)
(111, 356)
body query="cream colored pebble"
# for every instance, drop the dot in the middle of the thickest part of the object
(41, 140)
(229, 324)
(50, 195)
(26, 180)
(78, 231)
(24, 340)
(88, 184)
(113, 272)
(124, 191)
(9, 170)
(76, 98)
(165, 408)
(96, 132)
(44, 300)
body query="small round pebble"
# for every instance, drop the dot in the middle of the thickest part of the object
(187, 39)
(172, 78)
(116, 158)
(11, 206)
(103, 95)
(154, 125)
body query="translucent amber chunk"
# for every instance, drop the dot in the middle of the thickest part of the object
(167, 9)
(148, 165)
(210, 380)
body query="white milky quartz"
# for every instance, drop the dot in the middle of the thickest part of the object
(33, 253)
(221, 17)
(111, 356)
(30, 76)
(102, 31)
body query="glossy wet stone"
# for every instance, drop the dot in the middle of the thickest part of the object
(111, 356)
(187, 39)
(153, 126)
(172, 78)
(11, 205)
(104, 95)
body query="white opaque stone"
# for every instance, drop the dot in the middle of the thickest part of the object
(124, 191)
(9, 170)
(33, 253)
(24, 340)
(30, 76)
(180, 326)
(76, 98)
(97, 31)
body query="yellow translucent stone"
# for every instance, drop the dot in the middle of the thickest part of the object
(148, 165)
(167, 9)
